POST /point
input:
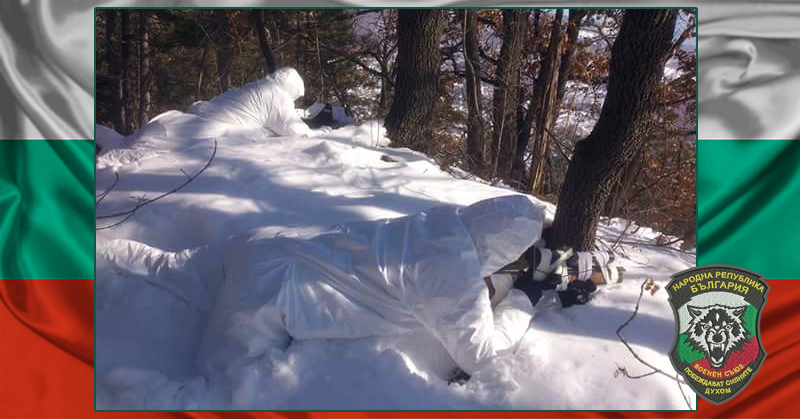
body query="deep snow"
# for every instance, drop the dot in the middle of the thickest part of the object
(148, 333)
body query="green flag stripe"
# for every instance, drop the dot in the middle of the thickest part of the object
(747, 201)
(46, 209)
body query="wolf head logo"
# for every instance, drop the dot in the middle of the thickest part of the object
(717, 330)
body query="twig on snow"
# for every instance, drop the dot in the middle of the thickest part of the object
(649, 285)
(99, 198)
(142, 201)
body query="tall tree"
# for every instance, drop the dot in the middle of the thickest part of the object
(266, 51)
(525, 116)
(115, 69)
(124, 60)
(378, 44)
(573, 28)
(224, 41)
(506, 92)
(330, 38)
(144, 67)
(544, 106)
(636, 69)
(410, 121)
(476, 144)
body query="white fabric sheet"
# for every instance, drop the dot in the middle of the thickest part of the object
(749, 71)
(375, 278)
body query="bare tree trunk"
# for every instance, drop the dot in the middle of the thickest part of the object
(202, 72)
(518, 169)
(277, 19)
(525, 117)
(620, 191)
(573, 27)
(410, 119)
(125, 54)
(144, 67)
(224, 48)
(476, 143)
(506, 98)
(299, 53)
(383, 101)
(599, 160)
(545, 105)
(537, 17)
(266, 51)
(320, 70)
(340, 95)
(116, 71)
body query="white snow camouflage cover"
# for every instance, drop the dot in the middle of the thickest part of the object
(368, 278)
(260, 109)
(268, 103)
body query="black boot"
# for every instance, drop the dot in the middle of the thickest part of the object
(577, 292)
(533, 289)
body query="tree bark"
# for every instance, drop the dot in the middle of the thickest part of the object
(599, 160)
(125, 54)
(506, 93)
(525, 117)
(410, 119)
(266, 51)
(383, 100)
(320, 70)
(573, 27)
(116, 71)
(201, 70)
(144, 67)
(224, 48)
(545, 106)
(476, 144)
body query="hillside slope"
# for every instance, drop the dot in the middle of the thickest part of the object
(148, 334)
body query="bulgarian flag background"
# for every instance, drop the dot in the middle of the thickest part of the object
(748, 215)
(47, 209)
(748, 202)
(47, 287)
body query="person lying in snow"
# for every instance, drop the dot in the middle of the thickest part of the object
(263, 108)
(445, 270)
(387, 277)
(268, 103)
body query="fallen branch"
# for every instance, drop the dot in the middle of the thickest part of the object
(142, 201)
(649, 285)
(618, 241)
(99, 198)
(558, 142)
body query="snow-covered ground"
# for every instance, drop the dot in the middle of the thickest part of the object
(148, 334)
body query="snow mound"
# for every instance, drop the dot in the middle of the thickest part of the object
(107, 138)
(148, 332)
(370, 133)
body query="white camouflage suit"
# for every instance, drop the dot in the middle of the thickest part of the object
(376, 278)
